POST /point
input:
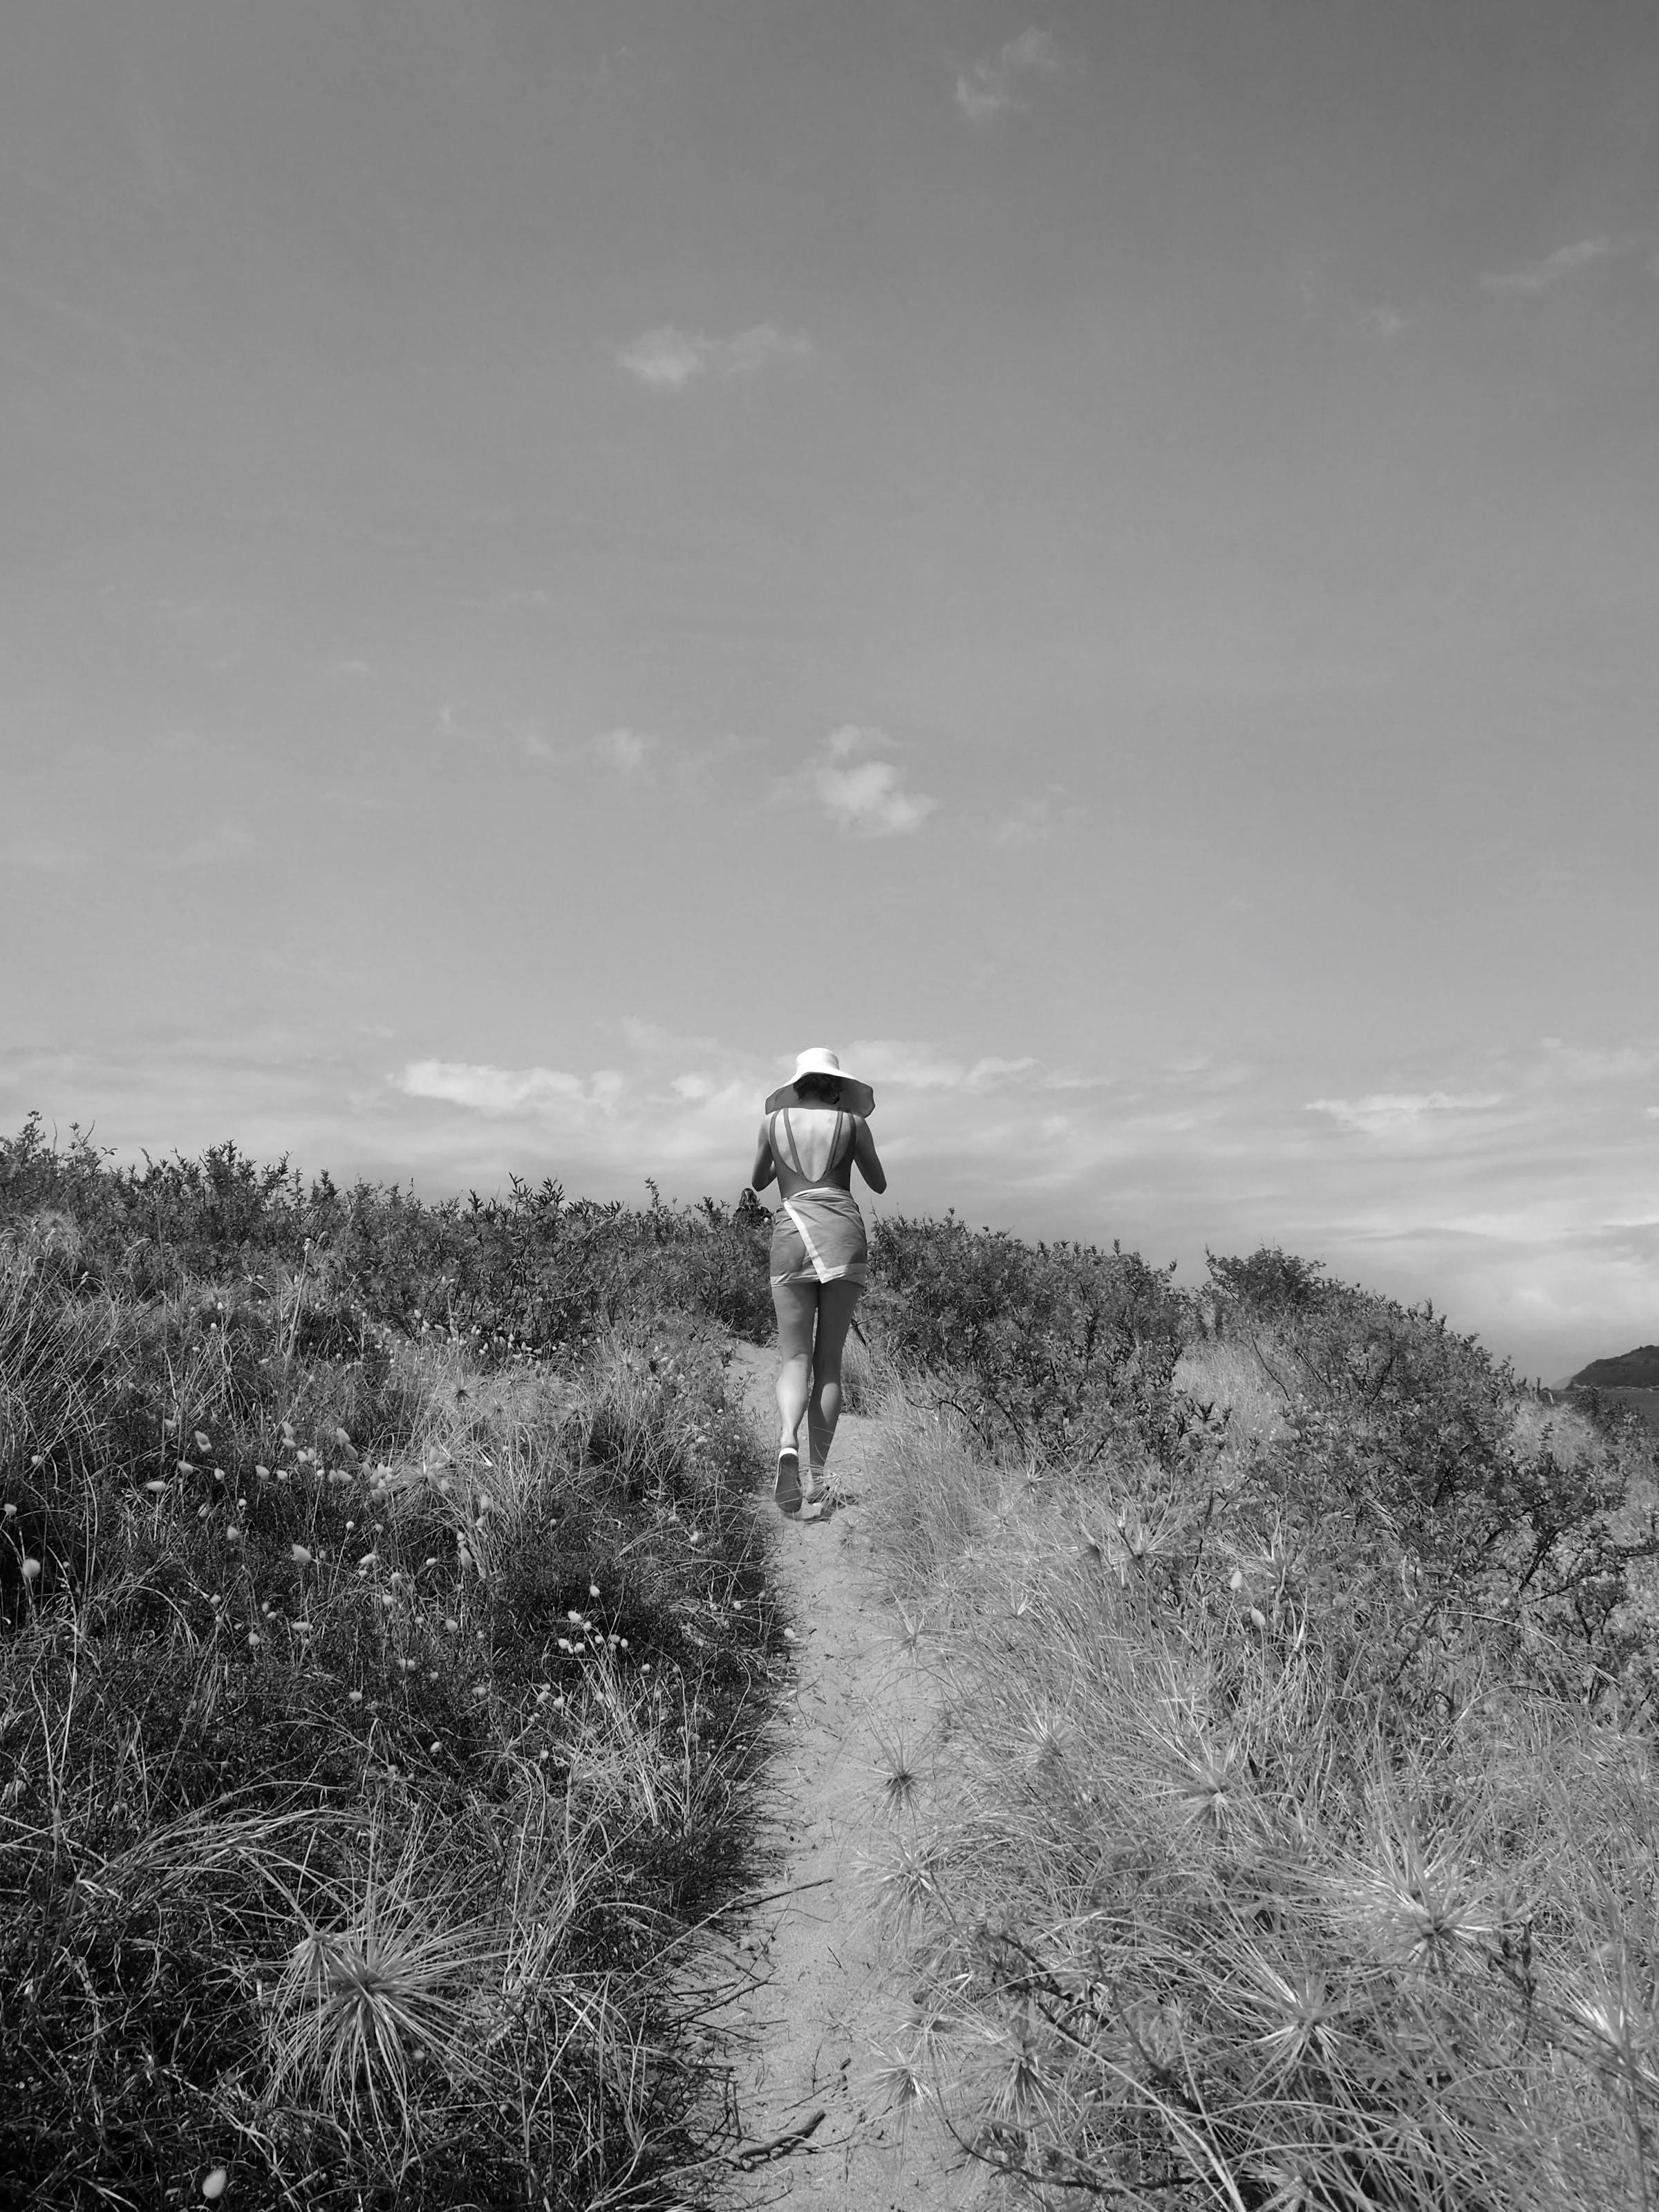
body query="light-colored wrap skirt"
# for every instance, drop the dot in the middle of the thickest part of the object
(818, 1236)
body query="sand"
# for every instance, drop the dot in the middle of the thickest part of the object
(810, 2042)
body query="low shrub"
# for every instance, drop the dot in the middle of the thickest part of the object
(1201, 1908)
(1046, 1349)
(521, 1276)
(378, 1721)
(1285, 1840)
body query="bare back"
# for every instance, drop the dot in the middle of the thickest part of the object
(813, 1147)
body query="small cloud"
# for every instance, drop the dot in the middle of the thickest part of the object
(667, 359)
(628, 751)
(1033, 822)
(1538, 276)
(41, 856)
(994, 84)
(507, 1090)
(1382, 322)
(866, 795)
(226, 840)
(1385, 1110)
(919, 1067)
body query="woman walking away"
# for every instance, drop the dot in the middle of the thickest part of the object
(814, 1129)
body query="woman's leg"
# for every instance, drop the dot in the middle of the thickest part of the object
(836, 1304)
(796, 1305)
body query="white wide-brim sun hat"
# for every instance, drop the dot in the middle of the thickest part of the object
(856, 1098)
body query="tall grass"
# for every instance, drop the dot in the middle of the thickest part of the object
(1287, 1837)
(381, 1711)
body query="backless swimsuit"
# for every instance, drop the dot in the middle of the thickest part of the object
(817, 1232)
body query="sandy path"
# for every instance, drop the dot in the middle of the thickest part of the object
(811, 2039)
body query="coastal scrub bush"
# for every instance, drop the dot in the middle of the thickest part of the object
(521, 1275)
(380, 1711)
(1285, 1841)
(1199, 1909)
(1047, 1349)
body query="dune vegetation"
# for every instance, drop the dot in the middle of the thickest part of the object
(390, 1646)
(1289, 1840)
(385, 1655)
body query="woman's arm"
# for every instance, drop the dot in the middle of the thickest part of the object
(864, 1152)
(765, 1168)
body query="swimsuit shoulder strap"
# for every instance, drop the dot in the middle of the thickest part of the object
(792, 1157)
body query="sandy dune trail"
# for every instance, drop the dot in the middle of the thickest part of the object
(811, 2039)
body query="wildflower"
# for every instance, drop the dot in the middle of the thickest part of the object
(593, 1589)
(187, 1466)
(253, 1641)
(262, 1471)
(233, 1535)
(300, 1557)
(203, 1444)
(11, 1513)
(213, 2184)
(156, 1489)
(31, 1571)
(452, 1623)
(37, 1459)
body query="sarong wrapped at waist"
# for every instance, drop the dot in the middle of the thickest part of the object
(818, 1236)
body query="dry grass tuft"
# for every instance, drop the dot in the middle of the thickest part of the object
(1208, 1909)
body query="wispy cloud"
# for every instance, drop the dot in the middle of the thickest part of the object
(865, 795)
(668, 359)
(1566, 261)
(215, 847)
(1033, 822)
(631, 754)
(43, 856)
(511, 1090)
(996, 80)
(1382, 322)
(1385, 1111)
(628, 751)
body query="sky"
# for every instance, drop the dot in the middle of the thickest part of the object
(1103, 563)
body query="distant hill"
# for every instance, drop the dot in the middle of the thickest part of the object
(1630, 1370)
